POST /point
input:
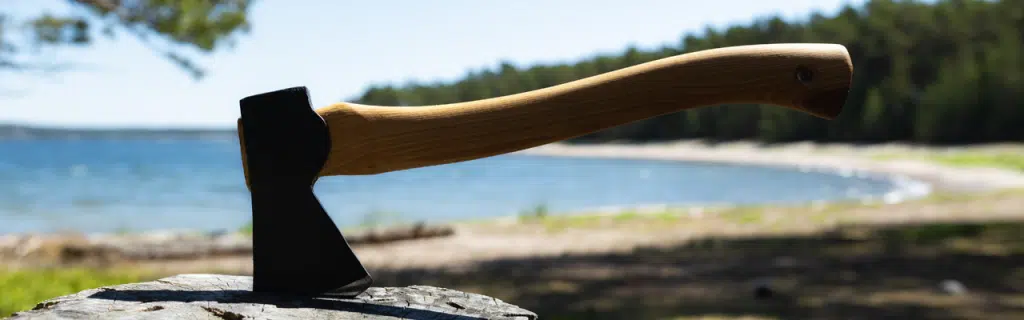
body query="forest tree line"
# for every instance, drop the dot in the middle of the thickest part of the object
(946, 72)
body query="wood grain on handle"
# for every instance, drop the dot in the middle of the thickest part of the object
(812, 78)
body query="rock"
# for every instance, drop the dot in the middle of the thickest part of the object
(210, 296)
(952, 287)
(763, 292)
(763, 289)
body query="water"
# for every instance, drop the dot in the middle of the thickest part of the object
(102, 186)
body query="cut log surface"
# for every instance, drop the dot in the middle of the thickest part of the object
(210, 296)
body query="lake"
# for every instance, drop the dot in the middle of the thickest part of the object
(111, 185)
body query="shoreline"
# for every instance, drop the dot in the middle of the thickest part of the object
(911, 179)
(843, 159)
(511, 236)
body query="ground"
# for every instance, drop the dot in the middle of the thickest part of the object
(953, 255)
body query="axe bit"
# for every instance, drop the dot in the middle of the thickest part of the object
(287, 145)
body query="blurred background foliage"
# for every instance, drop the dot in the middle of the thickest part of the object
(171, 28)
(940, 73)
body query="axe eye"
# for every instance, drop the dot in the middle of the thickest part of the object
(804, 75)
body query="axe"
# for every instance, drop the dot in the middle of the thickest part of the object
(287, 145)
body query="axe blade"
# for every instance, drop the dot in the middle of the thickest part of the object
(297, 248)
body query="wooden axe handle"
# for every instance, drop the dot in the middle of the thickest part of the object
(812, 78)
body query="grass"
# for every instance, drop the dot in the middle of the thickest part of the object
(743, 215)
(371, 219)
(765, 217)
(23, 289)
(1003, 159)
(751, 214)
(537, 212)
(562, 222)
(377, 218)
(246, 229)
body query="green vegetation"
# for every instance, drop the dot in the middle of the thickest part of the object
(772, 217)
(202, 26)
(378, 218)
(951, 71)
(246, 229)
(22, 289)
(1006, 160)
(371, 219)
(537, 212)
(540, 214)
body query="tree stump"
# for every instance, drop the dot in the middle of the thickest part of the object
(210, 296)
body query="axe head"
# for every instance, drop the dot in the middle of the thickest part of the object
(297, 248)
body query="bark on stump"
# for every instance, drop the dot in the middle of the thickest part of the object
(218, 297)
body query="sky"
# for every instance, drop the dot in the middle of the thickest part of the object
(339, 48)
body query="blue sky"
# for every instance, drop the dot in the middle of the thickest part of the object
(338, 48)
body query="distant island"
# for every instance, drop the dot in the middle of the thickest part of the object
(23, 132)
